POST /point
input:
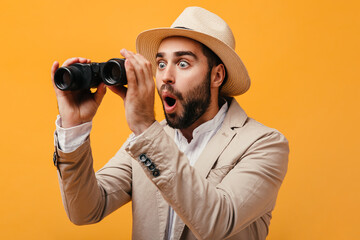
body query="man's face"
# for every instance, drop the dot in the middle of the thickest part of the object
(183, 81)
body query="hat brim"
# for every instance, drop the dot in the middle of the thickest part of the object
(238, 80)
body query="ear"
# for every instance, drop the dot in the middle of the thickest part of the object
(217, 75)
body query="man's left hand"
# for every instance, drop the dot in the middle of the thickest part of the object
(139, 95)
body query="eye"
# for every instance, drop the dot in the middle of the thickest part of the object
(183, 64)
(161, 65)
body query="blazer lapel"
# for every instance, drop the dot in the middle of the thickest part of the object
(212, 151)
(234, 118)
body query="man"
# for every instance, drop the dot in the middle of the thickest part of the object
(207, 172)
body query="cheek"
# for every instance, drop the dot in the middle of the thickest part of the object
(189, 80)
(182, 86)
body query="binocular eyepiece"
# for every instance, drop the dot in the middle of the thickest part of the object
(80, 76)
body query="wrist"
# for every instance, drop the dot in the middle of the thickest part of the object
(68, 123)
(140, 128)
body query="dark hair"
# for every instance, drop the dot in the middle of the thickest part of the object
(213, 60)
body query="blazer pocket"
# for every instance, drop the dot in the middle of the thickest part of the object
(216, 175)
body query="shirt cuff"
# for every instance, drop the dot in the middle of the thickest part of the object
(69, 139)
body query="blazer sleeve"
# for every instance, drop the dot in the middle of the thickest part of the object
(219, 211)
(88, 196)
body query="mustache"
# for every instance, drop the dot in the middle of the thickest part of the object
(169, 88)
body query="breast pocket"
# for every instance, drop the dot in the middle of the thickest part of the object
(216, 175)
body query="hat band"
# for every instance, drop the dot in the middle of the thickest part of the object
(183, 28)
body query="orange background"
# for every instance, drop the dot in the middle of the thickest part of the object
(303, 59)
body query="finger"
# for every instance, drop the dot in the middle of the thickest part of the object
(143, 72)
(125, 53)
(84, 60)
(100, 93)
(146, 69)
(54, 67)
(148, 64)
(139, 65)
(70, 61)
(75, 60)
(143, 63)
(130, 75)
(129, 68)
(119, 90)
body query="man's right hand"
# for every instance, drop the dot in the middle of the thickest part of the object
(77, 107)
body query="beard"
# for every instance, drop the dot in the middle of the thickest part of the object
(195, 103)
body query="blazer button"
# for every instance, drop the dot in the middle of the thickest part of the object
(151, 167)
(156, 173)
(142, 158)
(148, 162)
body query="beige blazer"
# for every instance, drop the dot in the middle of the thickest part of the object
(229, 193)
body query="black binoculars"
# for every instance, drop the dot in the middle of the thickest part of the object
(80, 76)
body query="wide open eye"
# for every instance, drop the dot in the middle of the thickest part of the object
(161, 65)
(183, 64)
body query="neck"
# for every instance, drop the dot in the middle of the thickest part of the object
(208, 115)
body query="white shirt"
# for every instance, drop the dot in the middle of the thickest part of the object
(69, 139)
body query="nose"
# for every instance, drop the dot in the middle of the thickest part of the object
(167, 75)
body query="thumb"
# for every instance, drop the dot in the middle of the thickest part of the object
(100, 93)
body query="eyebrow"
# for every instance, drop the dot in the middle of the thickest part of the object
(179, 54)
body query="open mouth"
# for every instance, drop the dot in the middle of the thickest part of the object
(170, 101)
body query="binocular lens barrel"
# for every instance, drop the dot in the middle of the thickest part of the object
(113, 73)
(63, 78)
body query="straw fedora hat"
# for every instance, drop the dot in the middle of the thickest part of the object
(209, 29)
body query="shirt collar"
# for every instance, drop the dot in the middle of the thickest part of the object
(208, 126)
